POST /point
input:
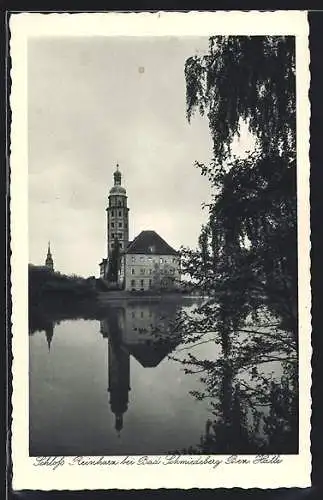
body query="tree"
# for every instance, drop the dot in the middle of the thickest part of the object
(114, 262)
(246, 260)
(248, 248)
(249, 78)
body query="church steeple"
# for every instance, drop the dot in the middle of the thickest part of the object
(49, 259)
(49, 332)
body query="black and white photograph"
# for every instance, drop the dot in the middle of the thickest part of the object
(163, 242)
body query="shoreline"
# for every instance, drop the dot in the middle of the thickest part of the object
(104, 297)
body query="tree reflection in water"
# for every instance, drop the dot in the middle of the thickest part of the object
(253, 409)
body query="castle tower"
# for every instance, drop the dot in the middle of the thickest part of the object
(119, 381)
(117, 215)
(112, 328)
(49, 259)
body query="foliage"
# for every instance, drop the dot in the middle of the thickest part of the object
(47, 284)
(114, 262)
(247, 254)
(246, 260)
(253, 408)
(250, 78)
(162, 279)
(247, 251)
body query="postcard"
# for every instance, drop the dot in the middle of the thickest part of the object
(160, 239)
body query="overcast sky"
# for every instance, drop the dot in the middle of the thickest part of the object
(94, 102)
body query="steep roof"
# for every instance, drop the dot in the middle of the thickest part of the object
(149, 242)
(149, 356)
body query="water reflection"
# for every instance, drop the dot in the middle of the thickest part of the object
(120, 385)
(140, 331)
(119, 380)
(49, 332)
(129, 375)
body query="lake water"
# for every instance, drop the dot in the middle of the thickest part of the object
(108, 387)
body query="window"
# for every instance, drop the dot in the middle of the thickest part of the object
(142, 283)
(112, 235)
(132, 271)
(112, 213)
(150, 286)
(174, 260)
(112, 224)
(120, 224)
(112, 245)
(141, 314)
(133, 314)
(120, 236)
(120, 213)
(120, 244)
(161, 260)
(133, 258)
(142, 271)
(133, 285)
(150, 271)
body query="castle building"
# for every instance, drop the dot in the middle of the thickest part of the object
(150, 263)
(145, 263)
(131, 331)
(49, 259)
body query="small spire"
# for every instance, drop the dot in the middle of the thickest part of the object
(49, 336)
(49, 259)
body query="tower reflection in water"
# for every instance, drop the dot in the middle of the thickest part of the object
(138, 330)
(49, 332)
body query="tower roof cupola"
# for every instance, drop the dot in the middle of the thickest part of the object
(117, 188)
(117, 176)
